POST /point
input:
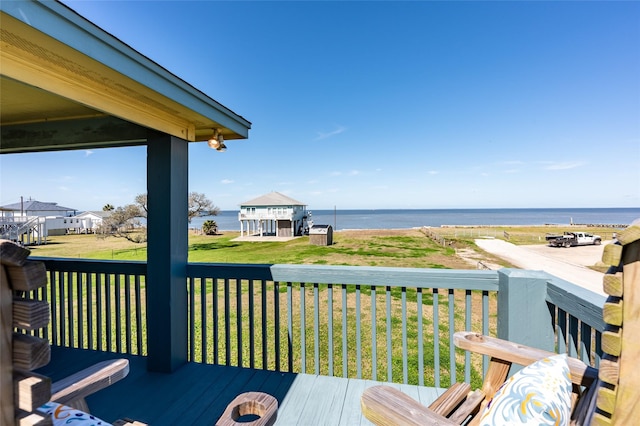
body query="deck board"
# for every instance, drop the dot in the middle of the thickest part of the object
(199, 393)
(329, 406)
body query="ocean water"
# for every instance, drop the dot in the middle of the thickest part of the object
(409, 218)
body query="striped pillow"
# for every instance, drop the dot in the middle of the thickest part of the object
(538, 394)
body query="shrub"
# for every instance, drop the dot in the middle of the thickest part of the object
(210, 227)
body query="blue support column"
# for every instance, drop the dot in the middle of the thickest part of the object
(167, 202)
(523, 314)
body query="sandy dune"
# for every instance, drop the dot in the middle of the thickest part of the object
(570, 264)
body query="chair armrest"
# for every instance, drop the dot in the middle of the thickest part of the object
(89, 380)
(385, 405)
(581, 373)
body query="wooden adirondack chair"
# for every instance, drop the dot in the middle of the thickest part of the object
(615, 387)
(22, 390)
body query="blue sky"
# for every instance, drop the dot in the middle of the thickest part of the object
(382, 104)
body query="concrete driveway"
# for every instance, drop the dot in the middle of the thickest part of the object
(570, 264)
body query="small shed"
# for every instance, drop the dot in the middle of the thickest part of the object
(321, 235)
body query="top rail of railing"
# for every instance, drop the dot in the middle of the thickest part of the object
(352, 275)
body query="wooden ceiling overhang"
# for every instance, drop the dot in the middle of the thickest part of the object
(67, 84)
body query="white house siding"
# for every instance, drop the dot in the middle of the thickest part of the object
(272, 214)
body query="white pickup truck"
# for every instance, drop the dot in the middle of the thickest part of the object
(570, 239)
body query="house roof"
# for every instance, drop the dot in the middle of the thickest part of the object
(67, 84)
(273, 199)
(37, 206)
(97, 213)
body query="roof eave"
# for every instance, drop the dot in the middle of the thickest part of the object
(131, 86)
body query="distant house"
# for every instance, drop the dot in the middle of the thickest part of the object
(31, 221)
(38, 208)
(273, 214)
(91, 220)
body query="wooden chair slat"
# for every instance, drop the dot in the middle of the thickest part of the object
(30, 314)
(30, 276)
(450, 399)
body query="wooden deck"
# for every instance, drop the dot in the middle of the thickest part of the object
(199, 393)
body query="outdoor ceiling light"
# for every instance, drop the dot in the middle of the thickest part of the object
(216, 141)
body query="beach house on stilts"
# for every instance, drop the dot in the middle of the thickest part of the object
(273, 214)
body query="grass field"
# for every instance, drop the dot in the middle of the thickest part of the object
(401, 248)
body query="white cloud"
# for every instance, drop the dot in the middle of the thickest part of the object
(323, 135)
(354, 172)
(226, 181)
(433, 172)
(335, 174)
(88, 152)
(564, 165)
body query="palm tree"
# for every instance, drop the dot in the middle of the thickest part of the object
(210, 227)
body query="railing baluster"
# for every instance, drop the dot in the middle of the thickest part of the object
(585, 343)
(562, 332)
(127, 309)
(573, 336)
(374, 339)
(90, 333)
(139, 316)
(62, 310)
(290, 326)
(389, 340)
(263, 312)
(420, 338)
(216, 322)
(118, 313)
(598, 353)
(436, 338)
(45, 297)
(303, 329)
(99, 309)
(192, 318)
(330, 327)
(452, 348)
(80, 310)
(239, 320)
(227, 325)
(554, 323)
(276, 315)
(485, 328)
(345, 333)
(405, 351)
(467, 355)
(107, 300)
(252, 339)
(203, 320)
(53, 283)
(358, 335)
(70, 320)
(316, 329)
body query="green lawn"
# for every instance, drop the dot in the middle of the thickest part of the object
(402, 248)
